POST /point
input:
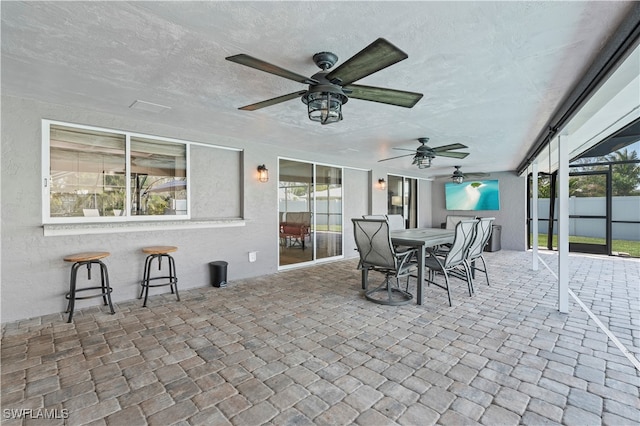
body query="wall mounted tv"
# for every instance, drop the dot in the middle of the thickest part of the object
(472, 195)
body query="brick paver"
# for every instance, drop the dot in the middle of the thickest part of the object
(304, 347)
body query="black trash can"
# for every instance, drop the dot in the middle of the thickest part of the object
(494, 243)
(218, 273)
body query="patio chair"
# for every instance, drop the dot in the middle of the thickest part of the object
(378, 254)
(452, 263)
(480, 240)
(396, 221)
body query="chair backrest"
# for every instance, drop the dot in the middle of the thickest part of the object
(303, 218)
(396, 221)
(452, 220)
(374, 243)
(373, 216)
(91, 212)
(465, 231)
(482, 235)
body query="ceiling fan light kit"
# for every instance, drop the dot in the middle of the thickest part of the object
(457, 176)
(423, 162)
(324, 102)
(329, 90)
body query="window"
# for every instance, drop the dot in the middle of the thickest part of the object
(108, 175)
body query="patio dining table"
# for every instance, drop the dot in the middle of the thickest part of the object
(421, 239)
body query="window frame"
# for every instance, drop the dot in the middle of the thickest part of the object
(126, 217)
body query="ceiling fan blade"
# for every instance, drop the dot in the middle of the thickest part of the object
(449, 147)
(393, 158)
(382, 95)
(476, 175)
(452, 154)
(273, 101)
(405, 149)
(261, 65)
(376, 56)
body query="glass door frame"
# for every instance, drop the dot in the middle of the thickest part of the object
(313, 206)
(408, 199)
(551, 220)
(591, 247)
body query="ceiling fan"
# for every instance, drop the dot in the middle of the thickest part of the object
(423, 154)
(328, 91)
(459, 177)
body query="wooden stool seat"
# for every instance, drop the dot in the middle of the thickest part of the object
(84, 257)
(103, 290)
(159, 249)
(170, 279)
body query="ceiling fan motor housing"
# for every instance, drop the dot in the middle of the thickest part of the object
(325, 60)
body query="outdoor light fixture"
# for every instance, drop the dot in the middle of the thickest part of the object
(457, 176)
(324, 103)
(422, 161)
(382, 185)
(263, 173)
(457, 179)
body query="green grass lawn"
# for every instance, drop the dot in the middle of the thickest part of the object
(621, 246)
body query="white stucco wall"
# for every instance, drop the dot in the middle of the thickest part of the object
(511, 216)
(34, 277)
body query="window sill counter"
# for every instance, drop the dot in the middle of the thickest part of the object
(57, 229)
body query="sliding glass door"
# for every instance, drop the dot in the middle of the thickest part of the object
(310, 212)
(402, 199)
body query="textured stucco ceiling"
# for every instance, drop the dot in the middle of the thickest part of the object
(491, 72)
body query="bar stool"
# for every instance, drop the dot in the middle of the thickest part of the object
(88, 259)
(158, 252)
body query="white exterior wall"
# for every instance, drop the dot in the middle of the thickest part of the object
(511, 216)
(34, 277)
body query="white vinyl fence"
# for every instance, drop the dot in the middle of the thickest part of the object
(623, 208)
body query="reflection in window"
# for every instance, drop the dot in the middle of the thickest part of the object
(158, 177)
(87, 170)
(88, 174)
(402, 198)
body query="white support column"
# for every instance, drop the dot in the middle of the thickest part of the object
(534, 215)
(563, 223)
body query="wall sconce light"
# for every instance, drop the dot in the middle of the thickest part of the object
(263, 173)
(382, 184)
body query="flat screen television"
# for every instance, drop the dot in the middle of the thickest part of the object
(472, 195)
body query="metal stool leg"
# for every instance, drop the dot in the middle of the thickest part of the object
(171, 279)
(106, 287)
(72, 291)
(148, 279)
(173, 276)
(145, 275)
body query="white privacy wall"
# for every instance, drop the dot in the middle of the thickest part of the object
(622, 209)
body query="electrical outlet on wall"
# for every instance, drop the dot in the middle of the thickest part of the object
(252, 256)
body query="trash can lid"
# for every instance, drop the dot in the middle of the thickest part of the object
(219, 263)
